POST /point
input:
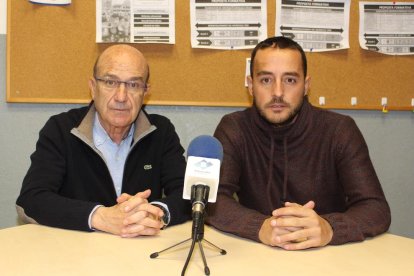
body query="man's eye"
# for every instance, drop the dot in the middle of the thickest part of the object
(111, 83)
(266, 80)
(290, 80)
(133, 84)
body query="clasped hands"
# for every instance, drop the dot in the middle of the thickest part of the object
(132, 216)
(296, 227)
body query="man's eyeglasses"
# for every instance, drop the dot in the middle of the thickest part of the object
(131, 86)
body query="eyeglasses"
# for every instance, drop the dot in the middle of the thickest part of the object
(131, 86)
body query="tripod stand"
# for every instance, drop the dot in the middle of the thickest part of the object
(197, 236)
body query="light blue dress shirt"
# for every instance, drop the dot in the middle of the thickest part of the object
(115, 155)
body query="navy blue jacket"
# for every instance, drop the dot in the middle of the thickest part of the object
(68, 176)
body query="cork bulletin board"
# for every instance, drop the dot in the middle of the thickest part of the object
(51, 51)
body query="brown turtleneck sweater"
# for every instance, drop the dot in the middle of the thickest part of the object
(322, 156)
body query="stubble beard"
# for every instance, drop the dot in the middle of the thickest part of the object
(278, 119)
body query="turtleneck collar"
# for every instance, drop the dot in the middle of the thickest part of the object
(291, 129)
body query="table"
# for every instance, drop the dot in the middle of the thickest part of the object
(39, 250)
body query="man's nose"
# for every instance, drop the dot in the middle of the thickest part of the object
(277, 89)
(121, 93)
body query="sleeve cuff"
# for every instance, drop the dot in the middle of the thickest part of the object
(167, 215)
(90, 217)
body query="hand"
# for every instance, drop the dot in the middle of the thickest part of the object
(132, 216)
(143, 218)
(296, 227)
(311, 230)
(268, 232)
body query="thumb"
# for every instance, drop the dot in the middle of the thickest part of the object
(145, 194)
(123, 197)
(310, 204)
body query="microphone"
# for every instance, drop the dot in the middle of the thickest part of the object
(204, 157)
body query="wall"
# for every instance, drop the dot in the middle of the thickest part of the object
(389, 136)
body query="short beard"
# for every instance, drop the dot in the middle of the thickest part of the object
(281, 121)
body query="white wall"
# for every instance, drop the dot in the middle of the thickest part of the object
(389, 136)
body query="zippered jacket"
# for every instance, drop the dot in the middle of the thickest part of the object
(68, 176)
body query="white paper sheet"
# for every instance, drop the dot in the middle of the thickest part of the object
(3, 17)
(51, 2)
(227, 24)
(387, 27)
(316, 25)
(135, 21)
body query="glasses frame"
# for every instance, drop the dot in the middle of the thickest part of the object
(127, 85)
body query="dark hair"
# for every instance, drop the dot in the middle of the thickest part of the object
(279, 42)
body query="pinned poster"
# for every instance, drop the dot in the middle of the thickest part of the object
(135, 21)
(317, 26)
(227, 24)
(387, 27)
(51, 2)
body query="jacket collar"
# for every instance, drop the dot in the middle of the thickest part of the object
(84, 131)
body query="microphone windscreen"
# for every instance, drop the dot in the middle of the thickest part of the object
(206, 146)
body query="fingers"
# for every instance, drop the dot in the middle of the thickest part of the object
(143, 220)
(142, 231)
(145, 226)
(136, 200)
(294, 209)
(144, 194)
(143, 211)
(304, 228)
(310, 204)
(123, 197)
(108, 219)
(305, 244)
(151, 210)
(292, 221)
(289, 229)
(301, 239)
(276, 232)
(297, 227)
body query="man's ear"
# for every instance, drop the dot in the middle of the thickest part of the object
(92, 87)
(147, 90)
(250, 85)
(307, 85)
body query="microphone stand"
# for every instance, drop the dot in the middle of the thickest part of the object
(197, 233)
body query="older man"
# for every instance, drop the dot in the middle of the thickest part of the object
(106, 167)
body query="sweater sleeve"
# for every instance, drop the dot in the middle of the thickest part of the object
(227, 214)
(367, 212)
(39, 200)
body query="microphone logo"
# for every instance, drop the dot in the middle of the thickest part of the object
(203, 164)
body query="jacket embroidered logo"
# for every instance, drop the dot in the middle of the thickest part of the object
(148, 167)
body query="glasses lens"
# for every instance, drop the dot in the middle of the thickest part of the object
(132, 86)
(111, 84)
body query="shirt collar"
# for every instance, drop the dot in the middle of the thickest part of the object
(100, 136)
